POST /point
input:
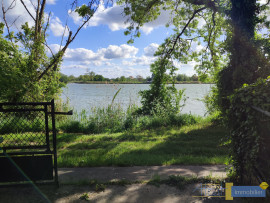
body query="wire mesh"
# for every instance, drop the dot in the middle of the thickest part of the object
(22, 129)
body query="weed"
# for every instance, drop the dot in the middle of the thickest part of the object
(85, 197)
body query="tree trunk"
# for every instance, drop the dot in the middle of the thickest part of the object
(245, 58)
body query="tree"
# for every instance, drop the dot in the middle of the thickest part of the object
(238, 56)
(122, 79)
(160, 96)
(182, 77)
(28, 73)
(64, 78)
(194, 77)
(99, 78)
(139, 78)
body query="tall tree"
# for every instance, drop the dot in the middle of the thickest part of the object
(37, 74)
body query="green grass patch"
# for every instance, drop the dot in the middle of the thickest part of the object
(194, 144)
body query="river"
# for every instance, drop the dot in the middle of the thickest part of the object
(87, 96)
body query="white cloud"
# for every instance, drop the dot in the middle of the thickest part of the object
(112, 71)
(57, 28)
(81, 54)
(20, 16)
(122, 51)
(145, 60)
(51, 2)
(151, 49)
(162, 20)
(100, 57)
(139, 61)
(75, 17)
(262, 2)
(196, 47)
(187, 69)
(114, 18)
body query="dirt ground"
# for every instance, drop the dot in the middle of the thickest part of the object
(75, 183)
(105, 174)
(135, 193)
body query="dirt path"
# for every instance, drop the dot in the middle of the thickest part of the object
(105, 174)
(135, 193)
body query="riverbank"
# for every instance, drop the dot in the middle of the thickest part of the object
(119, 82)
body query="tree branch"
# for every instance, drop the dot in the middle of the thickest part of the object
(49, 49)
(41, 15)
(11, 6)
(268, 1)
(47, 25)
(207, 3)
(183, 30)
(27, 10)
(63, 50)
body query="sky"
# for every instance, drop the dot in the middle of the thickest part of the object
(101, 46)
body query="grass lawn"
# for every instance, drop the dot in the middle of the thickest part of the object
(194, 144)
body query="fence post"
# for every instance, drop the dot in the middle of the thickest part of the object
(54, 142)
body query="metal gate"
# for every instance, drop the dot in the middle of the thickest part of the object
(28, 142)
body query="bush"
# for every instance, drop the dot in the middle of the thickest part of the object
(72, 127)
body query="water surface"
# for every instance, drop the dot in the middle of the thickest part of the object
(87, 96)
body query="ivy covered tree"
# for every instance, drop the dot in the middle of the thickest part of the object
(27, 73)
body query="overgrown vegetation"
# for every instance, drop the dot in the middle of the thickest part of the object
(115, 119)
(248, 145)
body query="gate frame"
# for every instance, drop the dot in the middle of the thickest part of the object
(47, 147)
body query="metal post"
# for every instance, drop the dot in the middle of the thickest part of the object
(47, 128)
(54, 142)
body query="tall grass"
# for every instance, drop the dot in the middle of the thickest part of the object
(114, 118)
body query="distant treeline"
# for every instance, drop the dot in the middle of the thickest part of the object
(92, 77)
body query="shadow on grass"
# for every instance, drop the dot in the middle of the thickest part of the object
(152, 147)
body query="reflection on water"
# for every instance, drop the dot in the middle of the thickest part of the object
(87, 96)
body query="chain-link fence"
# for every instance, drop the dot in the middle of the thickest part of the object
(24, 127)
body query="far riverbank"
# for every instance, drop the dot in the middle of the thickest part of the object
(131, 82)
